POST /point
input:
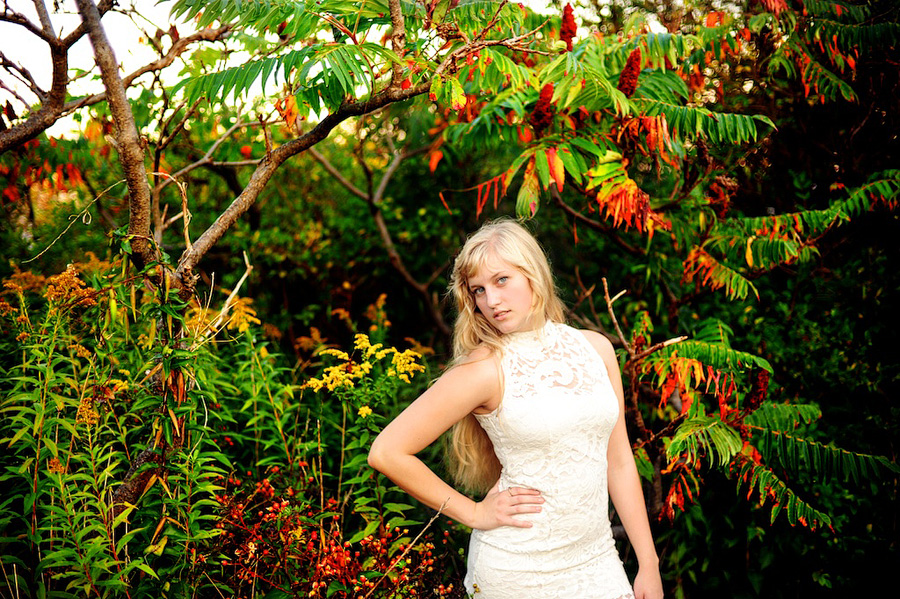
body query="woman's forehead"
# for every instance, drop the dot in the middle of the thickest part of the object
(489, 263)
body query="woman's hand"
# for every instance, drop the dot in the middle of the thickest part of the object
(648, 584)
(498, 507)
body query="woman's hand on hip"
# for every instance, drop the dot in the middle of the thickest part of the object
(498, 507)
(648, 584)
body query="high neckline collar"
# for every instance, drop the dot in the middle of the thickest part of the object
(529, 336)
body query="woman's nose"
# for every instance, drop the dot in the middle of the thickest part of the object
(492, 297)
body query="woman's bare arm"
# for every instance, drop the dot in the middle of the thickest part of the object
(625, 486)
(461, 390)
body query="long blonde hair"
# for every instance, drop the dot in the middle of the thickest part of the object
(473, 463)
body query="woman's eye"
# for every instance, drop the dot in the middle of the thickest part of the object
(478, 291)
(502, 280)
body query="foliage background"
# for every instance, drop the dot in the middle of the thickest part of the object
(262, 487)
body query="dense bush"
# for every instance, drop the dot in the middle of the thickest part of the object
(248, 476)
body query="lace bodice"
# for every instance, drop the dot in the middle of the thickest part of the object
(551, 433)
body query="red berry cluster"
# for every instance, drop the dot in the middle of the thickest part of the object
(542, 115)
(568, 28)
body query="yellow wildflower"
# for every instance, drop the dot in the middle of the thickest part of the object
(362, 343)
(334, 378)
(55, 466)
(23, 336)
(405, 363)
(422, 350)
(385, 352)
(6, 308)
(24, 281)
(340, 355)
(118, 385)
(86, 412)
(365, 411)
(80, 350)
(242, 315)
(66, 286)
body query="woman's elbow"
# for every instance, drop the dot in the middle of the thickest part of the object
(377, 458)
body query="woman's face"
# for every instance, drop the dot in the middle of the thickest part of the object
(503, 295)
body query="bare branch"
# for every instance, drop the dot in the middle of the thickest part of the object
(131, 154)
(348, 185)
(177, 49)
(393, 254)
(596, 225)
(51, 103)
(163, 143)
(234, 163)
(206, 160)
(44, 17)
(78, 33)
(15, 18)
(23, 75)
(398, 40)
(386, 178)
(609, 304)
(13, 93)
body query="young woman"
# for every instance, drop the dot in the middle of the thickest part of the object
(537, 414)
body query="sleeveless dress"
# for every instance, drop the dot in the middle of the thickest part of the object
(551, 433)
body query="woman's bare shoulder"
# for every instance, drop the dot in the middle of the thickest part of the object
(600, 343)
(480, 362)
(474, 379)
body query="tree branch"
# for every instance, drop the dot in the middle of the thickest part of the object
(348, 185)
(177, 49)
(51, 104)
(398, 40)
(207, 160)
(374, 201)
(393, 254)
(131, 154)
(45, 33)
(274, 159)
(596, 225)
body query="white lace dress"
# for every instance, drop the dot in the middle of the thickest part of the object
(550, 433)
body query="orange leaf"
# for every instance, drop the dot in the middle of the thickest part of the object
(525, 134)
(433, 160)
(557, 170)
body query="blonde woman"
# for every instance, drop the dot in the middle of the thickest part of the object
(537, 414)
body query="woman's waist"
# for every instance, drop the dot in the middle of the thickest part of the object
(549, 546)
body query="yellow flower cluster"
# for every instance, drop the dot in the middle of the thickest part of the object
(405, 365)
(363, 344)
(6, 308)
(242, 315)
(342, 375)
(86, 412)
(66, 286)
(80, 350)
(24, 281)
(56, 467)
